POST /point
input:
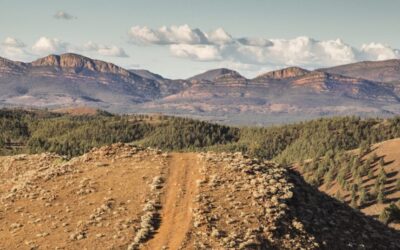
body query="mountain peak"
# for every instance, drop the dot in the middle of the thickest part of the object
(289, 72)
(78, 63)
(218, 75)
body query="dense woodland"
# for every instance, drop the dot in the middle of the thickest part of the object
(38, 131)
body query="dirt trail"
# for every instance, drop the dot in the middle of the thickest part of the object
(177, 204)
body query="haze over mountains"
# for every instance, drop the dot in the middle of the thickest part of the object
(291, 94)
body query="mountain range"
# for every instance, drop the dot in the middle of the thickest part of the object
(222, 95)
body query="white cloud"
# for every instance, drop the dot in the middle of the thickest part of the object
(196, 52)
(105, 50)
(45, 46)
(167, 35)
(13, 42)
(218, 45)
(63, 15)
(219, 36)
(378, 51)
(13, 48)
(260, 42)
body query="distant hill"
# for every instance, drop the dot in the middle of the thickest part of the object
(223, 95)
(381, 71)
(71, 79)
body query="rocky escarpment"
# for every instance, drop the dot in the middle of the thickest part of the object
(78, 63)
(283, 74)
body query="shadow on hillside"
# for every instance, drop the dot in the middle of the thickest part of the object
(334, 222)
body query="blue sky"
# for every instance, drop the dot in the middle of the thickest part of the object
(256, 35)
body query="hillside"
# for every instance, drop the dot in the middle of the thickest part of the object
(222, 95)
(381, 71)
(370, 185)
(127, 197)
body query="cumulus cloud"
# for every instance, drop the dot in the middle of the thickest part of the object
(13, 42)
(219, 45)
(13, 48)
(196, 52)
(46, 45)
(167, 35)
(105, 50)
(219, 36)
(63, 15)
(378, 51)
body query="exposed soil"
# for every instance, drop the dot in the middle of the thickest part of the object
(177, 205)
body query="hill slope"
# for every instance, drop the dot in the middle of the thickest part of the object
(370, 182)
(381, 71)
(127, 197)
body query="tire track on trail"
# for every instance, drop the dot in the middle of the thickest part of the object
(177, 203)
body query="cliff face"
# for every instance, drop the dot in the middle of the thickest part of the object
(290, 72)
(78, 63)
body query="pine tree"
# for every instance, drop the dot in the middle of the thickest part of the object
(381, 196)
(384, 216)
(353, 203)
(363, 197)
(338, 196)
(382, 176)
(370, 173)
(381, 162)
(397, 186)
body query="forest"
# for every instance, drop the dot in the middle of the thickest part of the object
(38, 131)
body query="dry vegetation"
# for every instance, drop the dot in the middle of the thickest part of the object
(97, 200)
(125, 197)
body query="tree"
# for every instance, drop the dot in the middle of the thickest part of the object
(370, 173)
(364, 148)
(381, 162)
(363, 197)
(397, 186)
(353, 203)
(390, 214)
(338, 196)
(382, 176)
(381, 196)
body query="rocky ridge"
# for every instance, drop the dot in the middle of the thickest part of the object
(121, 196)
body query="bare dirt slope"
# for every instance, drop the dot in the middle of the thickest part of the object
(124, 197)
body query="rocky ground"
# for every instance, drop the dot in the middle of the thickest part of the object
(95, 201)
(125, 197)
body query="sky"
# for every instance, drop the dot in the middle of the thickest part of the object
(180, 38)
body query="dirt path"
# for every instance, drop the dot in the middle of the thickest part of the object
(176, 213)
